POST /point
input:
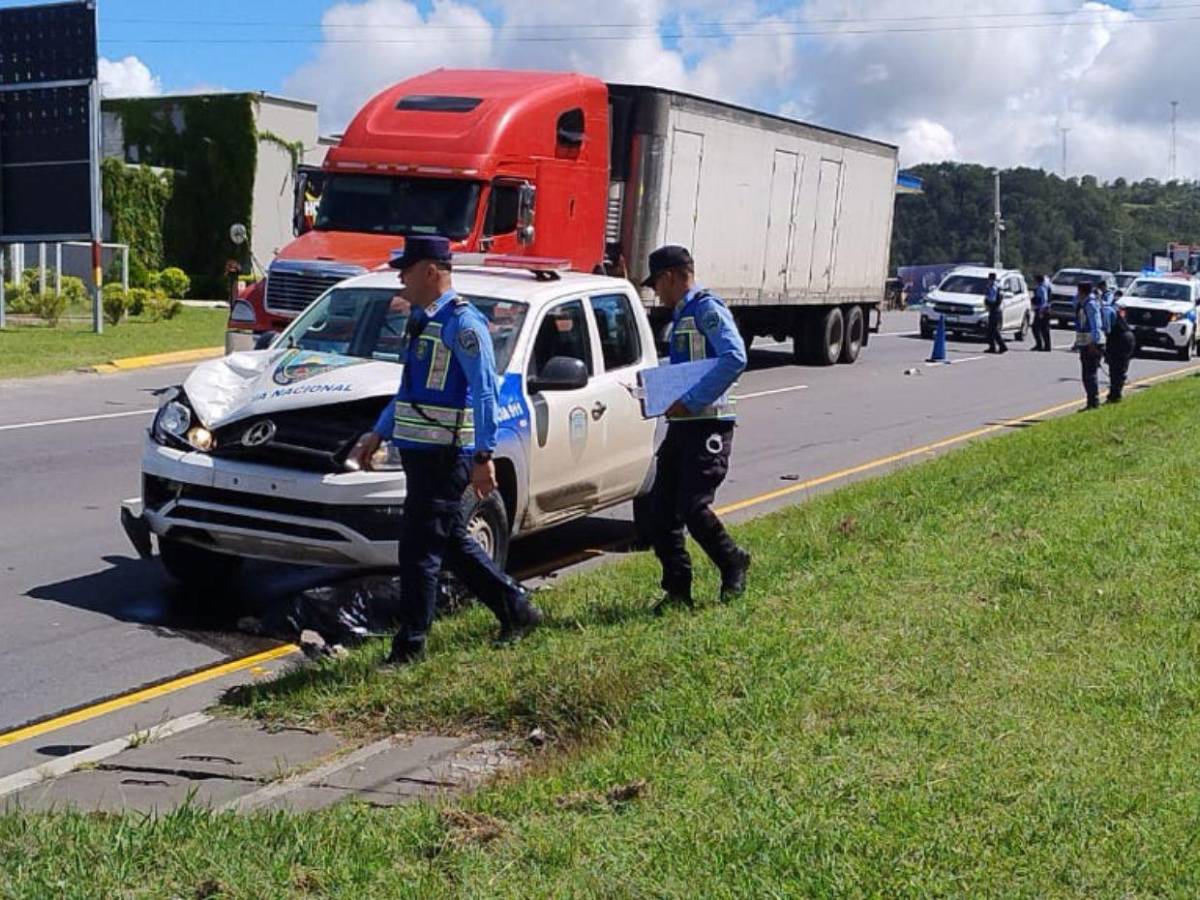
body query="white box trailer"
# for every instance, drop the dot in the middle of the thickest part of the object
(788, 222)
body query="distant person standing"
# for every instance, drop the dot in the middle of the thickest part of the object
(1119, 347)
(1041, 314)
(994, 301)
(1089, 341)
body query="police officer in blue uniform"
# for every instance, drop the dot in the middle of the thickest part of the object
(443, 422)
(1041, 314)
(694, 457)
(1089, 341)
(994, 301)
(1119, 344)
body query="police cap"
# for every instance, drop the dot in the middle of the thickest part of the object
(421, 247)
(671, 256)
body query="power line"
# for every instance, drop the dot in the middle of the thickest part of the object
(499, 35)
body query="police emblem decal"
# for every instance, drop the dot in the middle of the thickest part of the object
(468, 340)
(711, 321)
(577, 430)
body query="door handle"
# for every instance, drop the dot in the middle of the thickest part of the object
(598, 410)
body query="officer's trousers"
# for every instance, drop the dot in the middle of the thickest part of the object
(434, 534)
(1041, 331)
(692, 463)
(1089, 361)
(994, 337)
(1118, 353)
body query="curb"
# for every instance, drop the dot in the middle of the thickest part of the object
(156, 359)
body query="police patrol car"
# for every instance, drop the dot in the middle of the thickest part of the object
(1162, 312)
(247, 458)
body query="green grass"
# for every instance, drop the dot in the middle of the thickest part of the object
(975, 677)
(40, 350)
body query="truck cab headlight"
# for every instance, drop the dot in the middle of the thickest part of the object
(172, 422)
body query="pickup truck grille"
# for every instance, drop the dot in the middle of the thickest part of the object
(314, 439)
(1151, 318)
(954, 309)
(291, 292)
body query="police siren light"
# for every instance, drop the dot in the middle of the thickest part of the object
(541, 266)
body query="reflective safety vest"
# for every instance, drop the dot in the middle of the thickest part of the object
(689, 344)
(433, 408)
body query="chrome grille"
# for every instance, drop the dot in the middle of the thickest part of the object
(954, 309)
(291, 292)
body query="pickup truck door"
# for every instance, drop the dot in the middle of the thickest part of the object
(628, 438)
(566, 453)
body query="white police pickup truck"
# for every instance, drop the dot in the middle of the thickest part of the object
(1161, 310)
(247, 457)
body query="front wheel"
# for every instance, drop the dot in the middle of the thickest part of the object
(1184, 353)
(1019, 334)
(487, 525)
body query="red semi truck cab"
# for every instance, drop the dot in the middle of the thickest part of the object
(498, 161)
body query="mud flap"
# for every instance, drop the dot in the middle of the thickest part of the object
(136, 528)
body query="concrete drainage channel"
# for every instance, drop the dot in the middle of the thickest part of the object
(228, 764)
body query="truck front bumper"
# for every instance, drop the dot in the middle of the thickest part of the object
(252, 510)
(1174, 336)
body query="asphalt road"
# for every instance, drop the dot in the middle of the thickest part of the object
(83, 618)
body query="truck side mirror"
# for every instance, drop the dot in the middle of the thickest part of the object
(526, 200)
(264, 340)
(560, 373)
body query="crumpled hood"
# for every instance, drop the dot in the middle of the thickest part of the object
(255, 382)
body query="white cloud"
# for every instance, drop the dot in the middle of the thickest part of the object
(939, 87)
(128, 77)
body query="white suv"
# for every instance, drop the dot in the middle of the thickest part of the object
(1162, 312)
(247, 458)
(1064, 290)
(959, 299)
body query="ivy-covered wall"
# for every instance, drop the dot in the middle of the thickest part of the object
(136, 198)
(211, 144)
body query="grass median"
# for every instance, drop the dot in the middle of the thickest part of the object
(978, 676)
(27, 350)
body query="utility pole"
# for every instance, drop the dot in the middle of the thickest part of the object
(1064, 129)
(1172, 159)
(1120, 249)
(997, 227)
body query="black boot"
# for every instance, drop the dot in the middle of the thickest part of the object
(670, 600)
(405, 650)
(733, 581)
(522, 618)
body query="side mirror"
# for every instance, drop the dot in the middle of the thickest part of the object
(265, 340)
(560, 373)
(526, 201)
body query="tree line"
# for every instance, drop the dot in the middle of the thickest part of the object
(1051, 222)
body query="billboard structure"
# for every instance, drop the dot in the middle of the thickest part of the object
(50, 130)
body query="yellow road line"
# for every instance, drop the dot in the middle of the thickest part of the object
(159, 690)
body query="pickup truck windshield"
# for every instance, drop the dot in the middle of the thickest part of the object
(369, 323)
(395, 204)
(1160, 290)
(964, 284)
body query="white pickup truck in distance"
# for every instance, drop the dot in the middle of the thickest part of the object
(247, 457)
(1162, 312)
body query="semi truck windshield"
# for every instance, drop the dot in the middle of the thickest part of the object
(391, 204)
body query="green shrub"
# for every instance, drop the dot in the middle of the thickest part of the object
(139, 275)
(49, 306)
(136, 300)
(18, 299)
(159, 307)
(75, 291)
(153, 279)
(174, 282)
(115, 303)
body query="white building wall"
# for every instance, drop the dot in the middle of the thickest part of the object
(274, 184)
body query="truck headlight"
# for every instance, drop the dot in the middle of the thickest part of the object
(171, 423)
(1175, 317)
(242, 312)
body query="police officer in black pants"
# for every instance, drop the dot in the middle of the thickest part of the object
(694, 457)
(994, 301)
(443, 422)
(1119, 348)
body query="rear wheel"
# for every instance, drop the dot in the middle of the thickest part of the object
(826, 338)
(853, 337)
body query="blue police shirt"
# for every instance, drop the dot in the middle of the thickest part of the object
(715, 321)
(992, 299)
(1087, 320)
(1041, 297)
(479, 364)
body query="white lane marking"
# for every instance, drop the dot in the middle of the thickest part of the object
(954, 361)
(795, 387)
(47, 422)
(18, 781)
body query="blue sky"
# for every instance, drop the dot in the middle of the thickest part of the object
(991, 81)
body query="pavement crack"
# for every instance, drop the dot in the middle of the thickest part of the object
(189, 774)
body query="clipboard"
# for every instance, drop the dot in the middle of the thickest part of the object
(659, 387)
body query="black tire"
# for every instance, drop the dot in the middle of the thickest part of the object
(1019, 334)
(926, 331)
(487, 522)
(195, 567)
(1184, 353)
(826, 338)
(852, 337)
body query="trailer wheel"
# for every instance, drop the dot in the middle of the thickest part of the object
(853, 338)
(827, 337)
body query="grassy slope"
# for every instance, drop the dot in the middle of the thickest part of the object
(37, 350)
(973, 677)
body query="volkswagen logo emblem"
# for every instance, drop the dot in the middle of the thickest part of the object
(258, 434)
